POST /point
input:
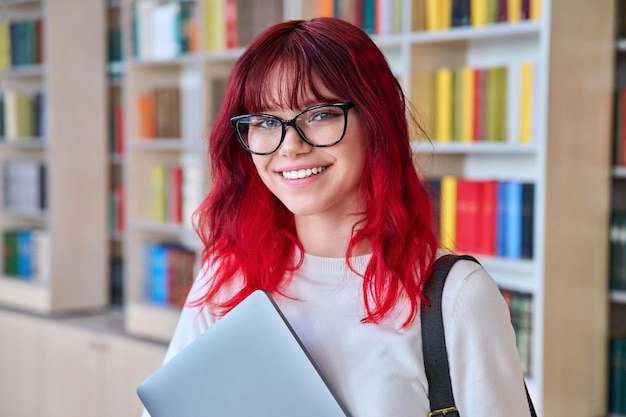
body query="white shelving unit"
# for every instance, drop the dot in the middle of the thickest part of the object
(72, 78)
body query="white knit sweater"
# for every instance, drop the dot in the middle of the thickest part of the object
(377, 369)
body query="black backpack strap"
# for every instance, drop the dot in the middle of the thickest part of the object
(434, 342)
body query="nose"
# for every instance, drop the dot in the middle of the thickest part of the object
(293, 144)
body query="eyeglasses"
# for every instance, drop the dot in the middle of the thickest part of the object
(321, 126)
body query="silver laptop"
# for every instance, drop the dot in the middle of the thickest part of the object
(250, 363)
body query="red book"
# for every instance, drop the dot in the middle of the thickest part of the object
(466, 215)
(487, 217)
(232, 36)
(176, 194)
(39, 53)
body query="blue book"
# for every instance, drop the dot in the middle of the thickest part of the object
(25, 254)
(513, 220)
(501, 218)
(158, 279)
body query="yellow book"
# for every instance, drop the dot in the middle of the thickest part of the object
(214, 25)
(478, 12)
(433, 14)
(158, 196)
(5, 46)
(25, 117)
(514, 10)
(448, 212)
(535, 9)
(526, 95)
(467, 106)
(445, 14)
(10, 115)
(443, 105)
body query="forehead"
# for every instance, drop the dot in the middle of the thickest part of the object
(284, 87)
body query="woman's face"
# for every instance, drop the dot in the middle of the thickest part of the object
(331, 185)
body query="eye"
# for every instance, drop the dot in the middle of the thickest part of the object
(324, 114)
(267, 123)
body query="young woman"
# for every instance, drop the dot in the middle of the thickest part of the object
(315, 199)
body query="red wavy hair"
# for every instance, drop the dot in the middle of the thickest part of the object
(248, 233)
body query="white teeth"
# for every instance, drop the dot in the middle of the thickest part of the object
(302, 173)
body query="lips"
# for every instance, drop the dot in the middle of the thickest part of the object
(302, 173)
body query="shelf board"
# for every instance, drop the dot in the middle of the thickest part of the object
(469, 33)
(227, 56)
(154, 227)
(618, 296)
(29, 143)
(151, 321)
(502, 148)
(165, 144)
(24, 71)
(619, 172)
(29, 295)
(512, 274)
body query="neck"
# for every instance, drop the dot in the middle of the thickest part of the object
(328, 238)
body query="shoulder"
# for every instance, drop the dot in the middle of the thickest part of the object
(470, 286)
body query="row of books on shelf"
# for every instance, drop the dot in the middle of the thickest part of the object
(159, 113)
(169, 272)
(164, 30)
(22, 115)
(472, 104)
(617, 375)
(458, 13)
(617, 250)
(24, 186)
(20, 43)
(485, 216)
(26, 254)
(521, 308)
(166, 198)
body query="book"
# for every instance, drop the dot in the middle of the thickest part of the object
(478, 12)
(146, 116)
(158, 193)
(487, 215)
(448, 212)
(214, 24)
(526, 103)
(443, 104)
(467, 215)
(528, 220)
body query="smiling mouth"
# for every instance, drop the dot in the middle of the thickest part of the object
(302, 173)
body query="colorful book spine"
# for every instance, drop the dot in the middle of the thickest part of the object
(484, 216)
(526, 103)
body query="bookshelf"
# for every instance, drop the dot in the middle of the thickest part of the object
(570, 173)
(69, 142)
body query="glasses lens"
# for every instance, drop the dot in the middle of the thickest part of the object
(261, 134)
(322, 126)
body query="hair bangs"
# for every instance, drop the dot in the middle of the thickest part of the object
(288, 82)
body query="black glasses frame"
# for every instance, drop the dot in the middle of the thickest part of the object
(292, 122)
